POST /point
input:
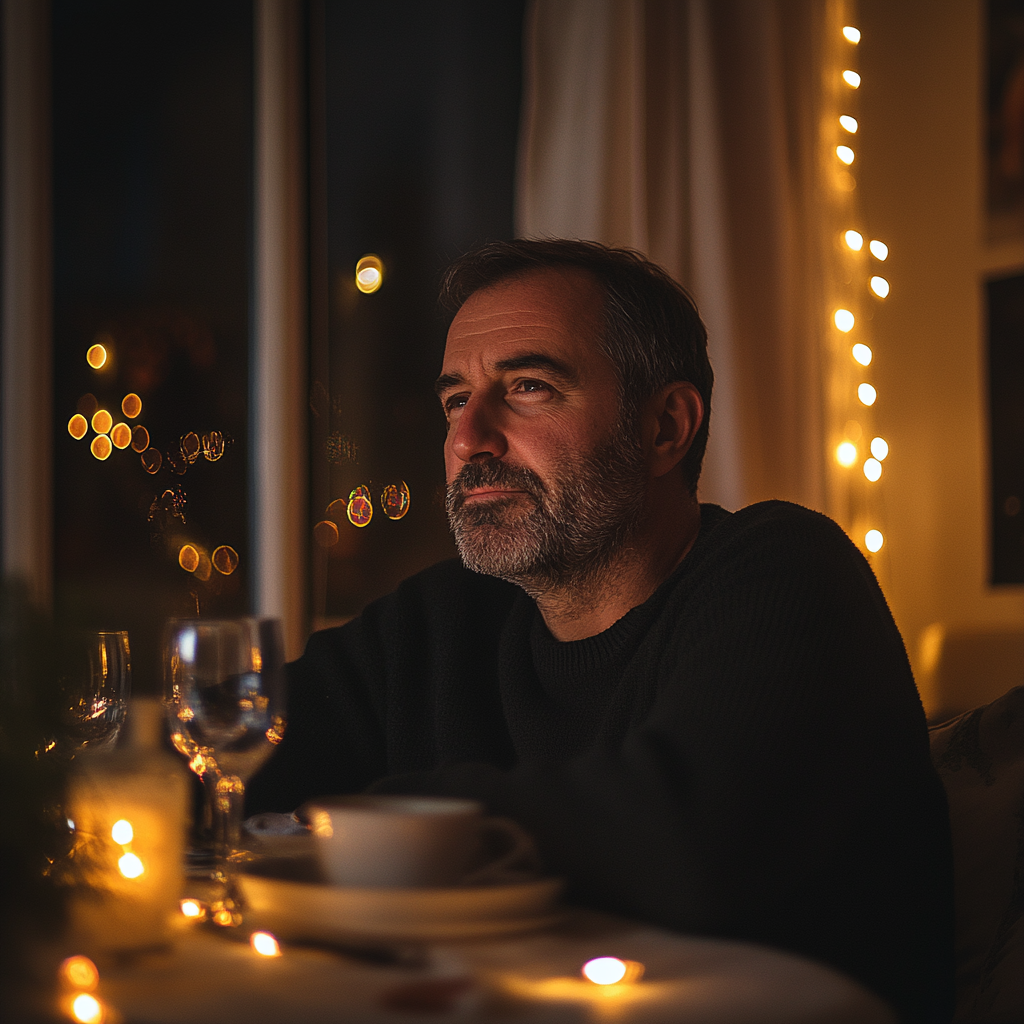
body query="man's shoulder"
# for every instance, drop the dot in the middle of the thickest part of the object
(779, 522)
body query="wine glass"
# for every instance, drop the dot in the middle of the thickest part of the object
(94, 679)
(225, 696)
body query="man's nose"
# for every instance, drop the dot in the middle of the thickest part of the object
(478, 434)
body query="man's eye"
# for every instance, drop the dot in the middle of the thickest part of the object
(455, 402)
(532, 386)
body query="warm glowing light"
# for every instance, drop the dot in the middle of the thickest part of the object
(188, 558)
(845, 154)
(325, 533)
(605, 970)
(81, 972)
(872, 469)
(96, 356)
(852, 79)
(121, 435)
(152, 460)
(265, 944)
(878, 249)
(101, 421)
(879, 286)
(224, 918)
(867, 394)
(122, 833)
(140, 438)
(101, 447)
(192, 909)
(190, 446)
(77, 426)
(862, 354)
(879, 448)
(873, 540)
(130, 866)
(844, 320)
(855, 240)
(87, 1009)
(369, 274)
(213, 445)
(853, 430)
(224, 559)
(852, 34)
(394, 500)
(360, 508)
(131, 405)
(846, 454)
(849, 123)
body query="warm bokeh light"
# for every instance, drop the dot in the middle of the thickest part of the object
(369, 274)
(394, 500)
(193, 910)
(879, 286)
(855, 240)
(224, 918)
(873, 540)
(849, 123)
(122, 833)
(190, 446)
(867, 394)
(121, 435)
(846, 454)
(852, 34)
(101, 447)
(878, 249)
(862, 354)
(140, 438)
(853, 430)
(188, 558)
(130, 866)
(224, 559)
(101, 421)
(87, 1009)
(80, 972)
(325, 533)
(872, 469)
(131, 405)
(152, 460)
(844, 320)
(265, 944)
(845, 154)
(852, 79)
(77, 426)
(879, 448)
(360, 507)
(96, 357)
(605, 970)
(213, 445)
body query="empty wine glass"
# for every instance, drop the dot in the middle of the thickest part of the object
(225, 697)
(94, 678)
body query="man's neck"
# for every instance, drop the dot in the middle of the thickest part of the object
(589, 606)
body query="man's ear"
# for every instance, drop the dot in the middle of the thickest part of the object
(677, 411)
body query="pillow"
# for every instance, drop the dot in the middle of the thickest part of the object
(980, 758)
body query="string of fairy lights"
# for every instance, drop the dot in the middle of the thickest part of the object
(859, 450)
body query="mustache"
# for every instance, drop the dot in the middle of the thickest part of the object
(494, 473)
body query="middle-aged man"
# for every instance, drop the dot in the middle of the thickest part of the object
(707, 719)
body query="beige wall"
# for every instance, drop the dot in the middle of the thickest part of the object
(919, 181)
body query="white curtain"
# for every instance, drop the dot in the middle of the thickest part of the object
(688, 129)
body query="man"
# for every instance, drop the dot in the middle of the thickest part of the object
(706, 719)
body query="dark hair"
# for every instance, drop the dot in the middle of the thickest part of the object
(652, 330)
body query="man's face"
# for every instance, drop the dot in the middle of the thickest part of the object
(545, 483)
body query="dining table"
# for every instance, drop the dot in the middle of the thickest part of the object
(217, 976)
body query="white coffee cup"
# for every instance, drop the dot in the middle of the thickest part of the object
(405, 841)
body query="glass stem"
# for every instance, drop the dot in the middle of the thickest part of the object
(228, 801)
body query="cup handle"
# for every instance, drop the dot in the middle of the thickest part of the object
(518, 861)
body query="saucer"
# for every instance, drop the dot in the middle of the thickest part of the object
(314, 911)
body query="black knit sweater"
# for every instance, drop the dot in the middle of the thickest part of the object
(743, 755)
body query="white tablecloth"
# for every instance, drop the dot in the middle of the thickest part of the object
(209, 979)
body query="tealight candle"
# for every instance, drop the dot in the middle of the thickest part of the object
(129, 807)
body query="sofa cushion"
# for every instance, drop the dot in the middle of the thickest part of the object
(980, 757)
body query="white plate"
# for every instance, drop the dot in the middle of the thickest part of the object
(330, 913)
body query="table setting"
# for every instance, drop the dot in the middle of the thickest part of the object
(355, 908)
